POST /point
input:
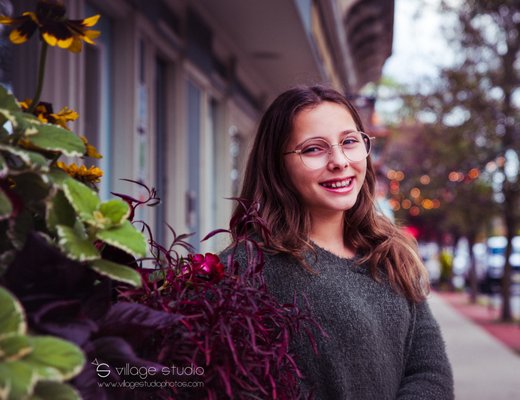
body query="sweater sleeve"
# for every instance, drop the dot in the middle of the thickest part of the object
(427, 374)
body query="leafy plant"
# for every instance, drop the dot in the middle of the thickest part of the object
(36, 193)
(72, 272)
(33, 365)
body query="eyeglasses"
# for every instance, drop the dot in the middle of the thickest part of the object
(315, 153)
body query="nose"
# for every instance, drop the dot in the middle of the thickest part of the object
(336, 156)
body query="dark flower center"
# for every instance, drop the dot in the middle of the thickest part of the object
(48, 11)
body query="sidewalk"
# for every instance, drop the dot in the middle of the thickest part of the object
(483, 367)
(486, 315)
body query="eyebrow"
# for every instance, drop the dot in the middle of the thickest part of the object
(345, 132)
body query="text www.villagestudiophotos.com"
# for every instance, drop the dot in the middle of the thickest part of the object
(151, 384)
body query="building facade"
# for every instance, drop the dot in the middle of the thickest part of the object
(172, 92)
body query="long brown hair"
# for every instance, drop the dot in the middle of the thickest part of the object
(382, 245)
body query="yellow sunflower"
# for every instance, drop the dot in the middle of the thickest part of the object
(55, 29)
(88, 175)
(44, 112)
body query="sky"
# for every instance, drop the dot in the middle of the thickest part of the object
(418, 50)
(418, 44)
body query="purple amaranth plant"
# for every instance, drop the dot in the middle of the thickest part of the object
(231, 329)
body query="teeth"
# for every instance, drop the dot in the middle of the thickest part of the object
(338, 184)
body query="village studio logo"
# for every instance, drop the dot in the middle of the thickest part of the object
(103, 370)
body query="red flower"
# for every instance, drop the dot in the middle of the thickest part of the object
(208, 265)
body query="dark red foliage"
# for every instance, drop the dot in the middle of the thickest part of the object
(232, 328)
(151, 201)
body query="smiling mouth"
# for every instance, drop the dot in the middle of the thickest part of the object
(337, 184)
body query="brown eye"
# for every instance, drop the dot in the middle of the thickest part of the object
(314, 149)
(350, 142)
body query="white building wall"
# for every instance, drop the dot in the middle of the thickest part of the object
(136, 42)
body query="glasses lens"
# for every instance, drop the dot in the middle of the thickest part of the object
(316, 153)
(356, 146)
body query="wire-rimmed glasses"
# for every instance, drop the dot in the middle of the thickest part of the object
(315, 153)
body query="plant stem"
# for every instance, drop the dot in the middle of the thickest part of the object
(41, 75)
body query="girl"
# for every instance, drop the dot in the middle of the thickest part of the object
(310, 171)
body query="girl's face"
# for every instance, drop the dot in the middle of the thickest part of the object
(333, 188)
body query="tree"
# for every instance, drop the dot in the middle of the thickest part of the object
(487, 40)
(438, 187)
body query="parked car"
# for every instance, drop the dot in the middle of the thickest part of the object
(495, 262)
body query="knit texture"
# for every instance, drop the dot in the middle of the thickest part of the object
(379, 346)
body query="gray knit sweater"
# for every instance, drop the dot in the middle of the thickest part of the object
(380, 347)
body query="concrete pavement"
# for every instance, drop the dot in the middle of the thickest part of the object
(483, 367)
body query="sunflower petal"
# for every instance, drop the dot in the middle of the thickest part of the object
(89, 35)
(24, 31)
(8, 20)
(31, 15)
(50, 39)
(91, 150)
(90, 21)
(76, 45)
(67, 114)
(65, 43)
(18, 37)
(25, 104)
(42, 118)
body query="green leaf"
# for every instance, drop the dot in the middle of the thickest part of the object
(45, 390)
(12, 318)
(7, 115)
(55, 138)
(6, 207)
(126, 238)
(22, 122)
(19, 228)
(14, 347)
(17, 378)
(4, 169)
(115, 210)
(83, 199)
(4, 134)
(117, 272)
(76, 247)
(31, 187)
(7, 100)
(58, 176)
(60, 212)
(30, 158)
(55, 358)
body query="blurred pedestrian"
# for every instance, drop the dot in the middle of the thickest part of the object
(310, 172)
